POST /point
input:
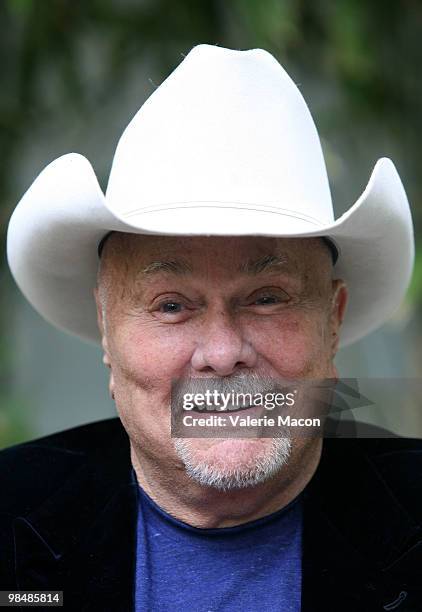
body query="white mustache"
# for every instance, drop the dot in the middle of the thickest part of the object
(225, 388)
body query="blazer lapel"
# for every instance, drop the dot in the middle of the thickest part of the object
(357, 537)
(82, 539)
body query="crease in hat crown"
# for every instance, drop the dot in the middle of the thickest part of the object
(226, 129)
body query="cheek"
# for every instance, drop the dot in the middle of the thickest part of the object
(144, 361)
(148, 357)
(296, 346)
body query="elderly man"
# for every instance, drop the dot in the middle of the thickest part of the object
(220, 263)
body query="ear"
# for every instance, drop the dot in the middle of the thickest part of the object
(101, 327)
(99, 307)
(338, 311)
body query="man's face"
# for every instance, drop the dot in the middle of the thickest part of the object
(220, 307)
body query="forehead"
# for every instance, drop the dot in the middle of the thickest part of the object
(151, 255)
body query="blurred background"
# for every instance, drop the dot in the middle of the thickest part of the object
(74, 72)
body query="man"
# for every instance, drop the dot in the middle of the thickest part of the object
(220, 263)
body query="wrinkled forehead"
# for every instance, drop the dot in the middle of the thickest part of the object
(149, 255)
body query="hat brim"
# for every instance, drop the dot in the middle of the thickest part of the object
(55, 230)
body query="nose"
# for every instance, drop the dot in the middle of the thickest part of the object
(222, 348)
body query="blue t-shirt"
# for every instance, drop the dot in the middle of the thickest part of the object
(250, 567)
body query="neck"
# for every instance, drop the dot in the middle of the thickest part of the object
(207, 507)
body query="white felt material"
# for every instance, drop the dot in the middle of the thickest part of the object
(225, 145)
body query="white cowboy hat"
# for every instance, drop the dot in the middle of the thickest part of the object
(225, 145)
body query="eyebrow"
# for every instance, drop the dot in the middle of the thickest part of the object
(266, 263)
(173, 266)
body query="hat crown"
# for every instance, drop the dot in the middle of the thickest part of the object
(227, 128)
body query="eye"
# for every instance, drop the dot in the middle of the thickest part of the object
(170, 307)
(268, 296)
(267, 299)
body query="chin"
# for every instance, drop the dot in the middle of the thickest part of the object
(229, 464)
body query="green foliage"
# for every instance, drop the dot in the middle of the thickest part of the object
(415, 289)
(14, 426)
(19, 6)
(271, 24)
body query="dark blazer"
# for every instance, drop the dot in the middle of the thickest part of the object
(68, 522)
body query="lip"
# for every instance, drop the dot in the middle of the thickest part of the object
(247, 410)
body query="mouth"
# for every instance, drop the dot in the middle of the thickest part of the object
(250, 409)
